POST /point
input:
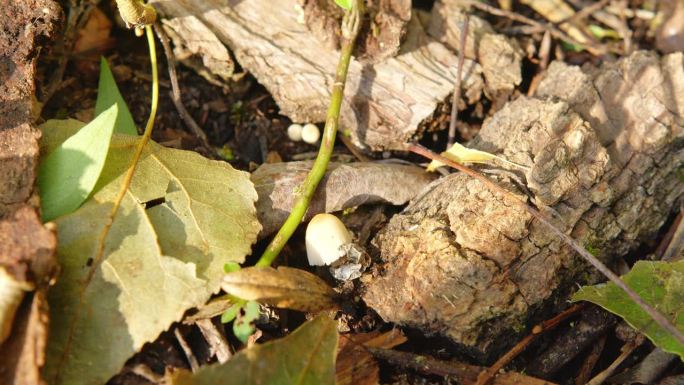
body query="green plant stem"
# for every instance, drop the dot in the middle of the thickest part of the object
(350, 30)
(99, 255)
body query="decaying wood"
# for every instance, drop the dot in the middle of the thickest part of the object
(26, 247)
(380, 36)
(344, 186)
(499, 56)
(605, 148)
(384, 103)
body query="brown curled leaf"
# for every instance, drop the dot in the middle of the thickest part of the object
(284, 287)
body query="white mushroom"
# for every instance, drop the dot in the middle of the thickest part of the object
(325, 236)
(294, 132)
(310, 133)
(11, 294)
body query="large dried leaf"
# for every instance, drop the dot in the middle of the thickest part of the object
(285, 287)
(306, 357)
(182, 219)
(661, 284)
(344, 186)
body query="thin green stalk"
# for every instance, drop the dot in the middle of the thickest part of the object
(350, 30)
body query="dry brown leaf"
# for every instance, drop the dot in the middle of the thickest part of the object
(92, 40)
(285, 287)
(355, 365)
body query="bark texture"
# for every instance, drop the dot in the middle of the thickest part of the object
(605, 151)
(26, 247)
(384, 102)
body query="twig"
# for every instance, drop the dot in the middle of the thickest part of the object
(627, 349)
(192, 360)
(584, 12)
(555, 32)
(353, 149)
(676, 241)
(464, 373)
(590, 362)
(218, 345)
(78, 14)
(660, 319)
(350, 29)
(457, 84)
(128, 177)
(486, 375)
(175, 89)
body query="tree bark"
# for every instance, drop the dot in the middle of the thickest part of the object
(605, 151)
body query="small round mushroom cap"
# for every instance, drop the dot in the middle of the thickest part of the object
(294, 132)
(325, 235)
(310, 133)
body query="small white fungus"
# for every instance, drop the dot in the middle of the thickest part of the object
(310, 133)
(325, 236)
(294, 132)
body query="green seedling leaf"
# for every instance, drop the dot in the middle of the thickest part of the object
(243, 327)
(183, 218)
(601, 33)
(306, 357)
(285, 287)
(461, 154)
(345, 4)
(661, 284)
(68, 174)
(231, 313)
(231, 267)
(108, 95)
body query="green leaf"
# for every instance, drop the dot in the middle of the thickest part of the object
(231, 267)
(68, 174)
(108, 95)
(345, 4)
(243, 327)
(183, 218)
(661, 284)
(306, 357)
(231, 313)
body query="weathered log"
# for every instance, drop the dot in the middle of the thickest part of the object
(605, 149)
(384, 102)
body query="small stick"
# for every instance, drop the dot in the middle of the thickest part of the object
(658, 317)
(175, 89)
(627, 349)
(194, 365)
(353, 149)
(218, 345)
(457, 86)
(590, 362)
(555, 32)
(486, 375)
